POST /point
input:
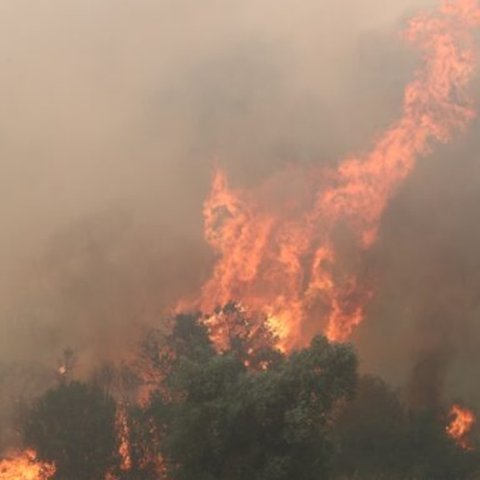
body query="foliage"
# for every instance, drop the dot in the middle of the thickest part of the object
(378, 436)
(226, 421)
(73, 426)
(371, 430)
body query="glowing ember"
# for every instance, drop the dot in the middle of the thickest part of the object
(462, 421)
(285, 260)
(25, 466)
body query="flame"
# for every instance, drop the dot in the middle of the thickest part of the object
(123, 434)
(462, 421)
(123, 438)
(285, 260)
(25, 466)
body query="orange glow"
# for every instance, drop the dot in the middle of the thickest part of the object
(236, 327)
(25, 466)
(462, 421)
(285, 260)
(123, 434)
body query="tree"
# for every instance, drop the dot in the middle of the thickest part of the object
(223, 420)
(433, 454)
(372, 432)
(245, 333)
(378, 436)
(20, 383)
(73, 425)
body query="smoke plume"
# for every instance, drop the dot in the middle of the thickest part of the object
(115, 116)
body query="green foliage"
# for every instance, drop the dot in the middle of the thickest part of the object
(73, 425)
(371, 430)
(223, 420)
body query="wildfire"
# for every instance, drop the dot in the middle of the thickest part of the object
(123, 438)
(285, 261)
(123, 434)
(462, 421)
(25, 466)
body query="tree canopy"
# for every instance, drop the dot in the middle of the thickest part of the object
(73, 425)
(223, 419)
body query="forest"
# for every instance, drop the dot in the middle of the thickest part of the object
(184, 410)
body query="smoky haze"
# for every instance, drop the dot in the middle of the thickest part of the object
(114, 116)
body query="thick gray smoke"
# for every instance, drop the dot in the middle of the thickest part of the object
(114, 115)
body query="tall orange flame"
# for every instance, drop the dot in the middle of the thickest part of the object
(123, 438)
(287, 262)
(462, 421)
(25, 466)
(123, 435)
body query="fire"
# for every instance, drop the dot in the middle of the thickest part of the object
(123, 434)
(286, 260)
(25, 466)
(462, 421)
(123, 438)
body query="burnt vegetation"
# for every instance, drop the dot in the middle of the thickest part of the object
(183, 410)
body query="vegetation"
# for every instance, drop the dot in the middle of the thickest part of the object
(379, 437)
(73, 425)
(223, 420)
(242, 413)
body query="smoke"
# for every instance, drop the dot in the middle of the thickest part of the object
(114, 115)
(124, 108)
(427, 267)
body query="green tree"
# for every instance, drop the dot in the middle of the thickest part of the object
(73, 425)
(372, 432)
(223, 420)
